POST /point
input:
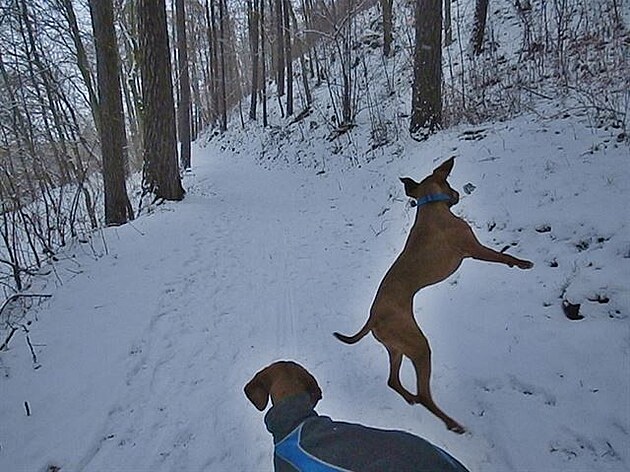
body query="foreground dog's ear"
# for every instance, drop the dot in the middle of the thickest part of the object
(257, 391)
(445, 169)
(313, 388)
(410, 185)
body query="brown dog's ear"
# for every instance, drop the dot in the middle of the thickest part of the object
(313, 388)
(257, 391)
(445, 169)
(410, 185)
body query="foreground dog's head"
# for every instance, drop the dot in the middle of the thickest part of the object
(433, 184)
(279, 380)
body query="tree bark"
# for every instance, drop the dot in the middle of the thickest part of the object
(263, 71)
(479, 27)
(448, 27)
(213, 60)
(183, 108)
(161, 172)
(280, 61)
(112, 130)
(426, 101)
(223, 82)
(253, 11)
(288, 55)
(386, 6)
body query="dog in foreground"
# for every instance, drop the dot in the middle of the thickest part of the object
(436, 246)
(305, 441)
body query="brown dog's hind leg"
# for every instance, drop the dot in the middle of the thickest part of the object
(421, 359)
(395, 361)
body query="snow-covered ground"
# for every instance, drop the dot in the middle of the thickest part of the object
(145, 347)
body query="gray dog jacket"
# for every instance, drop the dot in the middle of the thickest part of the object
(307, 442)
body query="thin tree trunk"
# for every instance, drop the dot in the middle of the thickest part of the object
(223, 86)
(426, 101)
(213, 44)
(479, 27)
(448, 27)
(386, 5)
(288, 55)
(280, 61)
(183, 109)
(254, 22)
(263, 72)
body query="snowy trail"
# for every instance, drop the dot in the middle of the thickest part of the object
(194, 346)
(211, 327)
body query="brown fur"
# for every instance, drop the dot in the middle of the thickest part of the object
(279, 380)
(436, 246)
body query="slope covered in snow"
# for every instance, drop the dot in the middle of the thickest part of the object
(143, 350)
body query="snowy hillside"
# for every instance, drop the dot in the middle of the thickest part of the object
(143, 351)
(138, 360)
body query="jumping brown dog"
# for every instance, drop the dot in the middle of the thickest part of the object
(436, 246)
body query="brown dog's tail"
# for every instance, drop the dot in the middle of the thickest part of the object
(357, 337)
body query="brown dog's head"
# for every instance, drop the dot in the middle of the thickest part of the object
(279, 380)
(433, 184)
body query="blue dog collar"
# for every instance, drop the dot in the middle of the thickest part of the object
(435, 197)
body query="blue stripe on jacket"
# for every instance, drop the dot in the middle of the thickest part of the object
(289, 450)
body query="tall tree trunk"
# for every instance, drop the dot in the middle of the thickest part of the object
(112, 132)
(213, 59)
(183, 108)
(223, 83)
(448, 24)
(263, 71)
(254, 42)
(426, 101)
(386, 5)
(161, 172)
(479, 27)
(280, 61)
(288, 55)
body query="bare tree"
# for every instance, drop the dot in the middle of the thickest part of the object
(112, 130)
(161, 172)
(426, 100)
(448, 27)
(263, 71)
(279, 49)
(183, 108)
(386, 6)
(222, 63)
(479, 27)
(213, 59)
(288, 54)
(253, 16)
